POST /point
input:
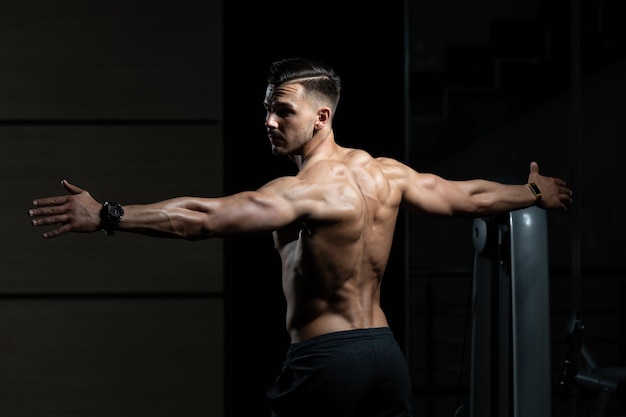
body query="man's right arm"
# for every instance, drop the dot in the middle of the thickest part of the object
(191, 218)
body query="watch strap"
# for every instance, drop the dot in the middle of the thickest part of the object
(110, 217)
(535, 190)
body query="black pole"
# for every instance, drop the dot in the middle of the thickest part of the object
(576, 168)
(407, 153)
(575, 85)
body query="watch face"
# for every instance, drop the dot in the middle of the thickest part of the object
(110, 216)
(115, 210)
(535, 190)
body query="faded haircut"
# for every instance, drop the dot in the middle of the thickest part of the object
(314, 76)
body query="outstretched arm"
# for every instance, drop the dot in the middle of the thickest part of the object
(191, 218)
(475, 198)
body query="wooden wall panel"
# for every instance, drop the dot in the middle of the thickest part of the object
(111, 357)
(123, 99)
(114, 59)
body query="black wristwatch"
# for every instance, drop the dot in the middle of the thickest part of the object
(110, 217)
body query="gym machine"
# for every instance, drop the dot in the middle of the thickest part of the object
(510, 353)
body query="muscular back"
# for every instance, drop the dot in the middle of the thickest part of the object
(334, 258)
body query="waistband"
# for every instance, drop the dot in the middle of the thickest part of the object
(343, 336)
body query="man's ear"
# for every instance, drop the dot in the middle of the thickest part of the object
(323, 118)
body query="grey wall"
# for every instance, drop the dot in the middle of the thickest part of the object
(122, 99)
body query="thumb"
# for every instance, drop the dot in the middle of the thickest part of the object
(72, 189)
(534, 167)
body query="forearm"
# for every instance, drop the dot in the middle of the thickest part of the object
(78, 212)
(174, 218)
(485, 198)
(433, 194)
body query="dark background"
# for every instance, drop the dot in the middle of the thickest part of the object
(145, 100)
(369, 58)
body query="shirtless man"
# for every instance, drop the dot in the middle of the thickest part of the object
(333, 225)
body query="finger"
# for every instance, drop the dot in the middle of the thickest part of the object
(57, 232)
(566, 199)
(566, 202)
(58, 200)
(45, 221)
(534, 167)
(49, 201)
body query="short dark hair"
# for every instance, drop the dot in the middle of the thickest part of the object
(312, 74)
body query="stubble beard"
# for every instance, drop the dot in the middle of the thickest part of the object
(292, 147)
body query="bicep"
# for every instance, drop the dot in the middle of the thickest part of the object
(278, 204)
(246, 212)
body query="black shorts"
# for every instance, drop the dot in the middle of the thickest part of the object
(360, 373)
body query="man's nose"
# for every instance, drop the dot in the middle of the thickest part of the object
(270, 121)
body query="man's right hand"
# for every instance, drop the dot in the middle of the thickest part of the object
(75, 212)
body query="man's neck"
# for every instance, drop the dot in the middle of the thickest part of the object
(322, 143)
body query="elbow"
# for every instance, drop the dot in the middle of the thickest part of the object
(476, 207)
(485, 207)
(190, 228)
(192, 234)
(196, 232)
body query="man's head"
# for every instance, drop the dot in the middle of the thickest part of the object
(300, 101)
(314, 76)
